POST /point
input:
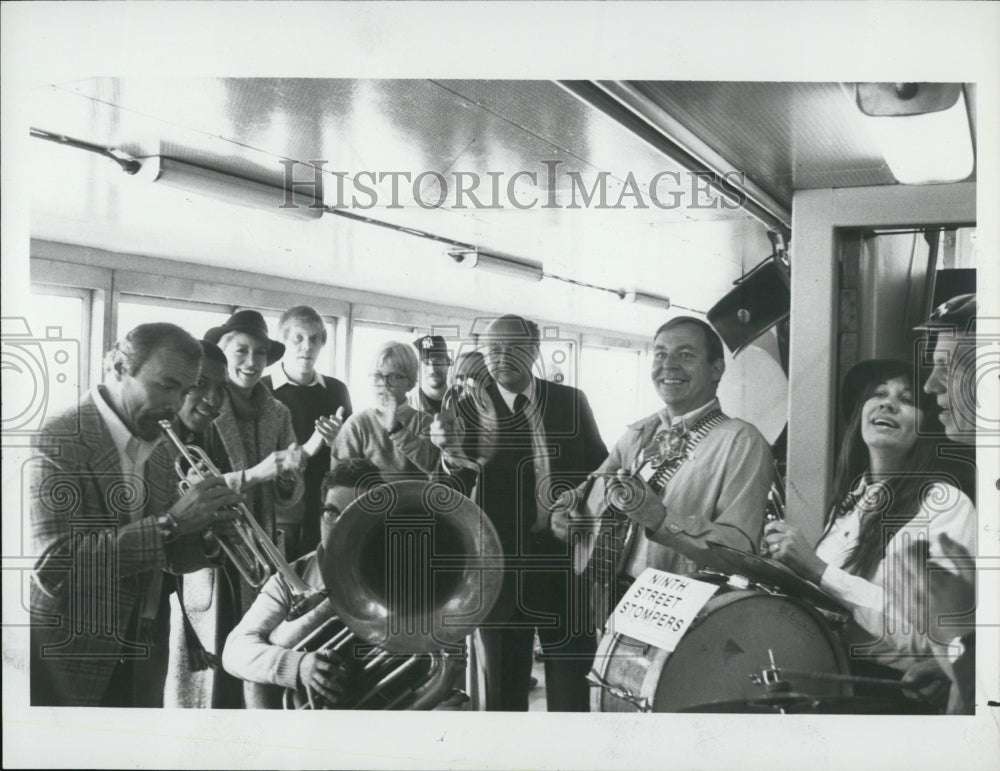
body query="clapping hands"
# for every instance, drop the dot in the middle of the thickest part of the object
(326, 429)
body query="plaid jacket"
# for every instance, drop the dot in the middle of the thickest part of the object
(94, 562)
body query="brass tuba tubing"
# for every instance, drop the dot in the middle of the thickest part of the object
(416, 654)
(264, 557)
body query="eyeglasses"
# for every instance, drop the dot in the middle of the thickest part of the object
(392, 379)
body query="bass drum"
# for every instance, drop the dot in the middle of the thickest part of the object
(730, 640)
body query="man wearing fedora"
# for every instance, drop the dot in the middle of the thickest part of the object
(434, 363)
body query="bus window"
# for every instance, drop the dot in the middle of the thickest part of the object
(56, 329)
(610, 379)
(196, 318)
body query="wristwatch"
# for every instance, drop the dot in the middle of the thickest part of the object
(167, 526)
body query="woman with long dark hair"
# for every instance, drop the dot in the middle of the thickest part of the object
(893, 506)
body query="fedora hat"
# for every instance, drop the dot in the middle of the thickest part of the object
(251, 323)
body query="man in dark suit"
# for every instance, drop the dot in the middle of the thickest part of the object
(515, 445)
(104, 529)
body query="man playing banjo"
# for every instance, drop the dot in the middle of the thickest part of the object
(688, 474)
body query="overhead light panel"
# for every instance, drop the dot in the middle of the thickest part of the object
(644, 298)
(508, 266)
(230, 188)
(922, 129)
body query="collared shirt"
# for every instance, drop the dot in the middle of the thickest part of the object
(132, 451)
(133, 454)
(540, 451)
(841, 535)
(891, 607)
(688, 419)
(717, 495)
(681, 424)
(280, 378)
(839, 542)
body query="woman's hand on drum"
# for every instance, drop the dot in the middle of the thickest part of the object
(787, 544)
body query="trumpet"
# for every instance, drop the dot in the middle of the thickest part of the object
(252, 552)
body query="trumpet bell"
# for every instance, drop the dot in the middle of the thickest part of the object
(412, 566)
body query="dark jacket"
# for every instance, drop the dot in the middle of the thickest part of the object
(501, 482)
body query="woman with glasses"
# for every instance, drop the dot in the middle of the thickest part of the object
(392, 434)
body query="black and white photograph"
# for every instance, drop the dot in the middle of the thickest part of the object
(371, 369)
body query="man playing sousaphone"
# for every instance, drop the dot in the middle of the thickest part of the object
(688, 474)
(249, 653)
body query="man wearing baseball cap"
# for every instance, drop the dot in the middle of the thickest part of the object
(953, 380)
(434, 363)
(951, 328)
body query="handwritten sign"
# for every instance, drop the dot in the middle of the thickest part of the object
(659, 607)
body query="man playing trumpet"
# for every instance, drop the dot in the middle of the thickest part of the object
(104, 528)
(194, 677)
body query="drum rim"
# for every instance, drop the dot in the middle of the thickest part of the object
(657, 658)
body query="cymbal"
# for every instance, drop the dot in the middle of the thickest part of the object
(769, 572)
(800, 704)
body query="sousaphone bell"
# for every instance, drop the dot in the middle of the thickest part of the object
(411, 569)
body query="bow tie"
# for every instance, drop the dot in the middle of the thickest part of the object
(670, 445)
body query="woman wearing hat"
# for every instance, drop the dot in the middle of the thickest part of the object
(392, 434)
(256, 429)
(889, 495)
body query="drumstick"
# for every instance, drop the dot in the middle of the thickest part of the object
(879, 681)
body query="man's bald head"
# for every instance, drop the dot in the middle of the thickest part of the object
(511, 346)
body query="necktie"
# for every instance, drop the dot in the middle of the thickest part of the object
(520, 402)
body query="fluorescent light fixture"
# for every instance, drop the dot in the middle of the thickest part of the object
(508, 266)
(922, 129)
(229, 188)
(644, 298)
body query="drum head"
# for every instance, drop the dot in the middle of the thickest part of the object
(769, 572)
(734, 638)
